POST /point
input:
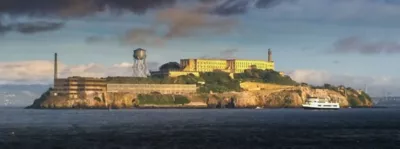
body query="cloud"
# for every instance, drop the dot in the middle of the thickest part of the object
(229, 53)
(77, 8)
(33, 27)
(180, 22)
(336, 62)
(376, 85)
(41, 71)
(235, 7)
(30, 27)
(357, 11)
(142, 36)
(94, 39)
(173, 23)
(4, 28)
(224, 54)
(67, 9)
(280, 9)
(183, 22)
(359, 45)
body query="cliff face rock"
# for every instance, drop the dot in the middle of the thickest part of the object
(115, 100)
(265, 96)
(293, 97)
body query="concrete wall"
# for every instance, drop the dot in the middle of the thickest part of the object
(149, 88)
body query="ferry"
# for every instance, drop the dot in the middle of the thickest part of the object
(320, 103)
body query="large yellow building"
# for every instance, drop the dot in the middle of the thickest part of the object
(232, 66)
(227, 65)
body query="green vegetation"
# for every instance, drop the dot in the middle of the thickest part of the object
(170, 66)
(354, 97)
(41, 99)
(353, 101)
(216, 81)
(98, 99)
(340, 89)
(265, 76)
(364, 98)
(181, 100)
(219, 82)
(159, 99)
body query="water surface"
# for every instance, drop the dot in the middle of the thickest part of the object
(200, 128)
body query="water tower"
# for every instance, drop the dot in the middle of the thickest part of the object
(139, 63)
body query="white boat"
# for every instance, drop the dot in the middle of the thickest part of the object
(320, 103)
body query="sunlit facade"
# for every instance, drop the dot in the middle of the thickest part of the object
(231, 66)
(76, 87)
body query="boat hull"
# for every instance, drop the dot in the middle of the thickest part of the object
(317, 108)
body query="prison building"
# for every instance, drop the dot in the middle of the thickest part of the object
(152, 88)
(76, 87)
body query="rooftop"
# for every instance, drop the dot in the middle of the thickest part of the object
(224, 59)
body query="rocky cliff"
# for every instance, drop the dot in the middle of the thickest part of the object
(254, 95)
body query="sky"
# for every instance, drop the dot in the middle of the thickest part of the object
(341, 42)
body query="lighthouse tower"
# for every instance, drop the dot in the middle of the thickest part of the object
(269, 55)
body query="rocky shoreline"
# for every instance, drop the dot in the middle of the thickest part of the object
(269, 98)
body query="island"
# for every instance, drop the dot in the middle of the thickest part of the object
(193, 83)
(253, 88)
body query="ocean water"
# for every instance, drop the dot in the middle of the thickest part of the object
(200, 128)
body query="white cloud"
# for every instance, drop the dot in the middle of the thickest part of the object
(376, 85)
(41, 71)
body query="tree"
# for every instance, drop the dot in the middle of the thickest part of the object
(265, 76)
(218, 81)
(170, 66)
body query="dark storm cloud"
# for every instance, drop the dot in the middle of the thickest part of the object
(177, 23)
(31, 27)
(359, 45)
(234, 7)
(68, 8)
(74, 8)
(94, 39)
(4, 28)
(64, 9)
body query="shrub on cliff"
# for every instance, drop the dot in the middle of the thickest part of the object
(179, 99)
(159, 99)
(37, 102)
(367, 97)
(155, 99)
(354, 101)
(265, 76)
(364, 98)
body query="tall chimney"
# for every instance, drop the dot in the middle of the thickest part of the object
(269, 55)
(55, 68)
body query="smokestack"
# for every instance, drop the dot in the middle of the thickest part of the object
(269, 55)
(55, 67)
